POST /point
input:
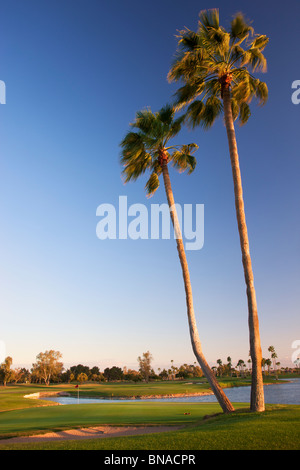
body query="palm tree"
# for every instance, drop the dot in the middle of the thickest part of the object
(268, 364)
(229, 365)
(274, 356)
(241, 364)
(217, 68)
(219, 361)
(145, 149)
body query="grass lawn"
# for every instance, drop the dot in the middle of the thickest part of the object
(12, 396)
(277, 428)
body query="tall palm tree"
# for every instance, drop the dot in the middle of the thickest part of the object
(229, 365)
(216, 67)
(147, 149)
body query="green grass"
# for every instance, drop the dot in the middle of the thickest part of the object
(276, 429)
(28, 421)
(12, 396)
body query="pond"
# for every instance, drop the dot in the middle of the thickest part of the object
(287, 393)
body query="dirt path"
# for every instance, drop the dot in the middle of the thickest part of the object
(89, 433)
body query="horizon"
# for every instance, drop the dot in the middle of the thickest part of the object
(69, 99)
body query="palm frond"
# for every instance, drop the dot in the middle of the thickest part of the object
(261, 92)
(245, 113)
(135, 167)
(175, 127)
(235, 109)
(260, 42)
(189, 40)
(152, 184)
(187, 93)
(209, 18)
(194, 113)
(255, 58)
(212, 110)
(144, 120)
(242, 90)
(240, 29)
(183, 160)
(166, 114)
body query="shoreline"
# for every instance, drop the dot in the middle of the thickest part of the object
(38, 395)
(41, 395)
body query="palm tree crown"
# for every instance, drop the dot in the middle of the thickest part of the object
(212, 58)
(147, 147)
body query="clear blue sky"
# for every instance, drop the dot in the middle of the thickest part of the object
(75, 73)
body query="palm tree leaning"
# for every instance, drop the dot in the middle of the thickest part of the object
(147, 149)
(216, 68)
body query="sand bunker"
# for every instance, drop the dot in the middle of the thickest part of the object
(97, 432)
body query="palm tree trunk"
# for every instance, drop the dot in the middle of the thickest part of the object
(196, 345)
(257, 390)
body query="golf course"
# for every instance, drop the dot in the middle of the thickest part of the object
(184, 425)
(150, 239)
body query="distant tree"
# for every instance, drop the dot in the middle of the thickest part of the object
(153, 375)
(274, 356)
(132, 375)
(25, 375)
(268, 364)
(229, 365)
(113, 373)
(173, 370)
(241, 365)
(6, 371)
(163, 374)
(17, 375)
(95, 370)
(182, 373)
(48, 365)
(220, 368)
(82, 377)
(145, 365)
(79, 368)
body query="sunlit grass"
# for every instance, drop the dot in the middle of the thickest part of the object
(276, 429)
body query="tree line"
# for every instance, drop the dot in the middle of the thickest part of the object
(242, 369)
(49, 368)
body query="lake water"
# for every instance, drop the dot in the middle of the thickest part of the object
(284, 393)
